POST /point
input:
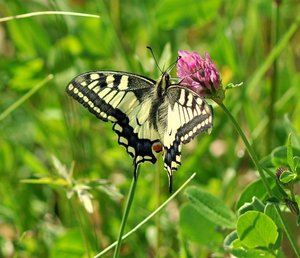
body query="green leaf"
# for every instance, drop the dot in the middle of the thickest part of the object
(255, 204)
(197, 228)
(278, 157)
(287, 177)
(229, 239)
(254, 189)
(270, 210)
(255, 229)
(70, 244)
(289, 154)
(296, 160)
(251, 253)
(174, 13)
(34, 164)
(24, 79)
(211, 207)
(46, 181)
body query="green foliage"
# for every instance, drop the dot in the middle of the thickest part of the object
(210, 207)
(256, 230)
(51, 208)
(256, 235)
(70, 244)
(197, 228)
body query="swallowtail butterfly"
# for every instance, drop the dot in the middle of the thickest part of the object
(148, 116)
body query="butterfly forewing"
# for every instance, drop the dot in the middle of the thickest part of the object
(123, 99)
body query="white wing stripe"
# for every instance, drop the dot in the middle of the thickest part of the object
(96, 89)
(129, 102)
(109, 80)
(190, 112)
(94, 76)
(104, 92)
(123, 83)
(190, 100)
(182, 97)
(92, 85)
(117, 99)
(110, 96)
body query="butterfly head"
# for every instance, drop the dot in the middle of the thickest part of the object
(163, 82)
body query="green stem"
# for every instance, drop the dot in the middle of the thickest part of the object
(263, 177)
(76, 210)
(157, 219)
(127, 209)
(163, 205)
(249, 148)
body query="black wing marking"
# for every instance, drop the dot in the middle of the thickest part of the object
(122, 98)
(187, 115)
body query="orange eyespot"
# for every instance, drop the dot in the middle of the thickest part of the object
(157, 147)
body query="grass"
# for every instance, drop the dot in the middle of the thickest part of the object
(40, 220)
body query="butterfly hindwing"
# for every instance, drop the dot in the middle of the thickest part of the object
(121, 98)
(187, 115)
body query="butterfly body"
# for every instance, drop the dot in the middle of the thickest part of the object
(148, 116)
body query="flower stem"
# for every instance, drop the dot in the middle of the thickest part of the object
(249, 148)
(263, 178)
(127, 209)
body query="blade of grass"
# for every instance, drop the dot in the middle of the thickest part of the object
(26, 96)
(27, 15)
(274, 81)
(272, 56)
(163, 205)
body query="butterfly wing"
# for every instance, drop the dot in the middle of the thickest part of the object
(124, 99)
(187, 115)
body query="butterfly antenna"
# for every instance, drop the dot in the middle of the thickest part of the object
(155, 60)
(172, 65)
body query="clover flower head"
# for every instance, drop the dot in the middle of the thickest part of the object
(199, 74)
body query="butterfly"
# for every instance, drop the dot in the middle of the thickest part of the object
(149, 117)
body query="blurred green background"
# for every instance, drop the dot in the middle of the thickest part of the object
(37, 219)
